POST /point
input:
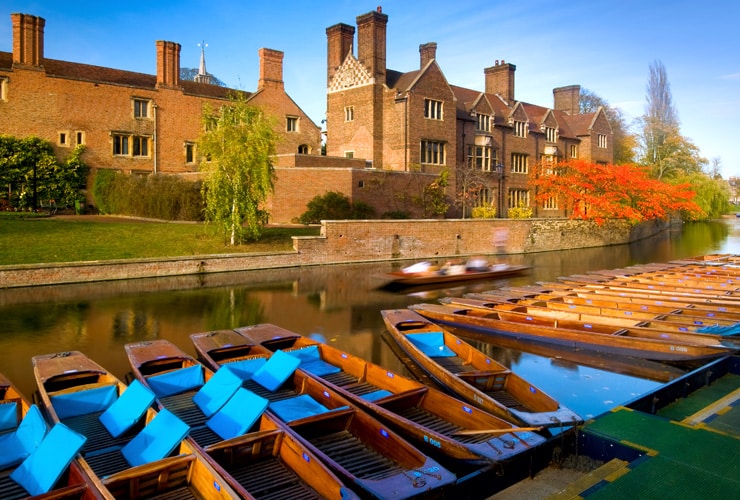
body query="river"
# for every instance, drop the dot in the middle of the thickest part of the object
(340, 304)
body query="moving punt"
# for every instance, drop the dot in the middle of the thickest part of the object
(250, 450)
(403, 279)
(485, 324)
(434, 421)
(130, 450)
(362, 452)
(471, 375)
(37, 461)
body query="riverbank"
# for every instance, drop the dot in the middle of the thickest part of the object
(345, 242)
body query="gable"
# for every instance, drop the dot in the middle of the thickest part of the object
(350, 74)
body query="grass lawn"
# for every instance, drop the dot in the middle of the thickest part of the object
(84, 238)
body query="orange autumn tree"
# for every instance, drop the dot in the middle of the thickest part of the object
(599, 192)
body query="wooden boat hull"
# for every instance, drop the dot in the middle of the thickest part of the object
(399, 279)
(422, 414)
(486, 381)
(607, 340)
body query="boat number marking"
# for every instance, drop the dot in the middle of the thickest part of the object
(679, 348)
(432, 441)
(477, 399)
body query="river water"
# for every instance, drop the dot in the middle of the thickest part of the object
(340, 304)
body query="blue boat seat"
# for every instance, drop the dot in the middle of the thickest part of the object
(312, 363)
(298, 407)
(157, 440)
(216, 392)
(431, 343)
(83, 402)
(127, 409)
(376, 395)
(19, 444)
(8, 415)
(238, 414)
(276, 370)
(42, 469)
(246, 368)
(176, 381)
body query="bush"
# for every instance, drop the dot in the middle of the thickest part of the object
(396, 214)
(334, 206)
(487, 212)
(522, 211)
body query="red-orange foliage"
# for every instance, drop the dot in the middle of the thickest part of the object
(598, 192)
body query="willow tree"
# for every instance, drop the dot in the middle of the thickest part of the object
(237, 148)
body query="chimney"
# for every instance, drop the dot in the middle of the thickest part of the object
(28, 39)
(168, 64)
(427, 52)
(371, 42)
(500, 80)
(567, 99)
(271, 69)
(339, 43)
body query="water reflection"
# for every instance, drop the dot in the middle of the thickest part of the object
(342, 303)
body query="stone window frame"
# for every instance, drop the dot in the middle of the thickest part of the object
(483, 122)
(551, 134)
(433, 152)
(292, 123)
(518, 195)
(349, 113)
(520, 129)
(141, 108)
(602, 140)
(433, 109)
(4, 88)
(64, 139)
(519, 163)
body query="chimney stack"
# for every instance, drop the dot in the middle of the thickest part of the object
(567, 99)
(168, 64)
(271, 68)
(339, 43)
(28, 39)
(500, 80)
(371, 38)
(427, 52)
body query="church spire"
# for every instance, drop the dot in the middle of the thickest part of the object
(203, 76)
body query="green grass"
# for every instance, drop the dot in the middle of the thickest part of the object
(40, 240)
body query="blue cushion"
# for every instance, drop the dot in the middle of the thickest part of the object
(375, 395)
(238, 414)
(8, 415)
(311, 361)
(306, 354)
(246, 368)
(217, 391)
(85, 401)
(156, 440)
(177, 381)
(16, 446)
(278, 368)
(431, 343)
(298, 407)
(127, 409)
(40, 471)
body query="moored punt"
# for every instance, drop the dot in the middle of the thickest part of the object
(131, 451)
(471, 375)
(356, 447)
(675, 328)
(436, 422)
(26, 468)
(485, 324)
(229, 426)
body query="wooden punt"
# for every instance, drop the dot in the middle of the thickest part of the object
(182, 475)
(471, 375)
(400, 279)
(482, 323)
(261, 463)
(357, 448)
(73, 484)
(432, 420)
(673, 327)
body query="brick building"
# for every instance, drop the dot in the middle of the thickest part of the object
(133, 122)
(418, 121)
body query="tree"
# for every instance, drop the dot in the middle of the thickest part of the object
(433, 198)
(470, 183)
(712, 195)
(625, 142)
(237, 148)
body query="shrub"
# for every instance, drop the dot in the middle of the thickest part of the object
(396, 214)
(522, 211)
(487, 212)
(330, 206)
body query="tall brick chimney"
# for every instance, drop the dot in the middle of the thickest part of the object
(567, 99)
(427, 52)
(168, 64)
(271, 68)
(28, 39)
(371, 28)
(500, 80)
(339, 43)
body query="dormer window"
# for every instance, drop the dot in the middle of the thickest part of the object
(551, 134)
(484, 123)
(520, 129)
(432, 109)
(602, 141)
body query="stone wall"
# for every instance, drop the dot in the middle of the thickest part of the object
(357, 241)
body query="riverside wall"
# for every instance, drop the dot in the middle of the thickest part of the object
(342, 242)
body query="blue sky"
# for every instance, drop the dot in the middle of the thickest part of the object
(605, 46)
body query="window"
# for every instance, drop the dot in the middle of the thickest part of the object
(518, 197)
(349, 113)
(303, 149)
(520, 129)
(63, 139)
(433, 152)
(519, 163)
(80, 137)
(141, 146)
(573, 151)
(3, 89)
(602, 141)
(120, 145)
(485, 198)
(550, 203)
(189, 152)
(349, 154)
(432, 109)
(292, 124)
(551, 134)
(480, 157)
(484, 123)
(141, 108)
